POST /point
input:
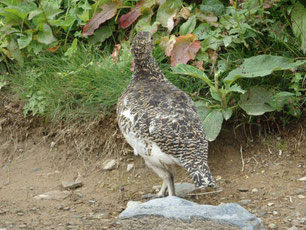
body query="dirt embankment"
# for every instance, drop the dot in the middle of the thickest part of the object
(262, 174)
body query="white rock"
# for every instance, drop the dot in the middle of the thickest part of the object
(272, 226)
(302, 179)
(130, 167)
(132, 203)
(301, 196)
(270, 204)
(109, 164)
(52, 144)
(53, 195)
(254, 190)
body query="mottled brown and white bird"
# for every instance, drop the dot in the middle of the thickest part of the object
(160, 121)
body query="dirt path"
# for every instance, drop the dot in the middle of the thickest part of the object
(268, 181)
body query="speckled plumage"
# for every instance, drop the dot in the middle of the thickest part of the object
(160, 121)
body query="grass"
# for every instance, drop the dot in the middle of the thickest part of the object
(86, 85)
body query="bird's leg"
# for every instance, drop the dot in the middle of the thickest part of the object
(168, 182)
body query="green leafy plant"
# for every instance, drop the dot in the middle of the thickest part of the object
(255, 101)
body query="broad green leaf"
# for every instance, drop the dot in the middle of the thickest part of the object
(262, 65)
(101, 34)
(214, 94)
(73, 48)
(167, 11)
(202, 109)
(256, 101)
(211, 42)
(282, 98)
(212, 6)
(212, 124)
(227, 113)
(188, 26)
(34, 13)
(45, 35)
(25, 39)
(227, 41)
(236, 88)
(298, 17)
(14, 52)
(65, 22)
(202, 31)
(191, 71)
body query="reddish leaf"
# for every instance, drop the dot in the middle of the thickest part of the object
(128, 19)
(108, 11)
(184, 49)
(53, 49)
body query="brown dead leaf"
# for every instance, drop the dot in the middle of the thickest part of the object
(184, 49)
(209, 18)
(184, 13)
(115, 53)
(108, 11)
(54, 48)
(199, 65)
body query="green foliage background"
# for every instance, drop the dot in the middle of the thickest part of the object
(251, 60)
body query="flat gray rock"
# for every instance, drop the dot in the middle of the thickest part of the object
(175, 207)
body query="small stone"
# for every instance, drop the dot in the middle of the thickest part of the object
(261, 214)
(243, 189)
(272, 226)
(68, 185)
(109, 164)
(52, 144)
(53, 195)
(60, 207)
(20, 213)
(302, 179)
(300, 191)
(22, 226)
(293, 228)
(92, 201)
(254, 190)
(275, 213)
(301, 196)
(130, 167)
(270, 204)
(3, 228)
(66, 208)
(99, 215)
(2, 212)
(245, 202)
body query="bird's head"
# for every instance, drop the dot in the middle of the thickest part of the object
(142, 45)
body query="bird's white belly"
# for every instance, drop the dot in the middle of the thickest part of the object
(150, 151)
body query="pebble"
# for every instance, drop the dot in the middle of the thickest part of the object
(270, 204)
(300, 191)
(302, 179)
(68, 185)
(243, 189)
(275, 213)
(92, 201)
(109, 164)
(254, 190)
(130, 167)
(261, 214)
(245, 202)
(53, 195)
(293, 228)
(20, 213)
(272, 226)
(301, 196)
(22, 226)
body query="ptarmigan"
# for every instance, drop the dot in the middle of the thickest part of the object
(160, 121)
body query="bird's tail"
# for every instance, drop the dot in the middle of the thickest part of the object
(200, 173)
